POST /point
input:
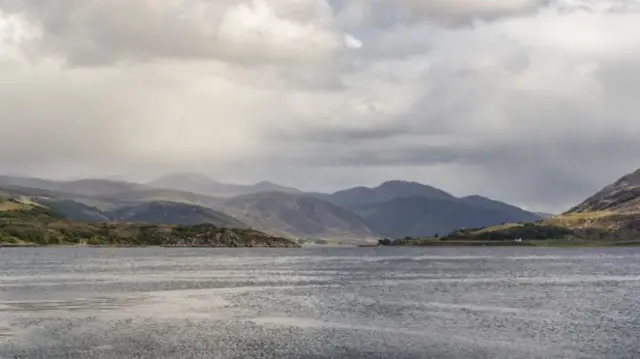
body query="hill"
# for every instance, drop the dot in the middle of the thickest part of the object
(611, 216)
(130, 198)
(173, 213)
(197, 183)
(136, 206)
(300, 216)
(622, 196)
(24, 222)
(115, 200)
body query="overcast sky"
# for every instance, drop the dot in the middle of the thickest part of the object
(534, 102)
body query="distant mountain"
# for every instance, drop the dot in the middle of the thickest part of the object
(402, 209)
(420, 216)
(197, 183)
(173, 213)
(544, 214)
(389, 190)
(299, 216)
(88, 187)
(511, 213)
(623, 196)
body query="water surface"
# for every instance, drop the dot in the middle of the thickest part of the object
(320, 303)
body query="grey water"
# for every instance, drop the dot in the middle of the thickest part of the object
(320, 303)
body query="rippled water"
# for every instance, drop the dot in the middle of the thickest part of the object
(320, 303)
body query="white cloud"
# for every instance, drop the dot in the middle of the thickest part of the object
(457, 10)
(249, 31)
(352, 42)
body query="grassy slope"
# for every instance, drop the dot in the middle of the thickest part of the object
(23, 222)
(584, 229)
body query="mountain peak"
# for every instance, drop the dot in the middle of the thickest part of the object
(394, 183)
(399, 188)
(270, 186)
(386, 191)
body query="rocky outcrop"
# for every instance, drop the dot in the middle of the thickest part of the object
(220, 237)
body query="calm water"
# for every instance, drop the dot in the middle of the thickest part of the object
(320, 303)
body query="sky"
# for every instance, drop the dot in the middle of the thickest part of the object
(532, 102)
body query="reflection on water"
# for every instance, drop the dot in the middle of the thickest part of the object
(319, 303)
(97, 303)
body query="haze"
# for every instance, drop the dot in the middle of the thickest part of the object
(533, 102)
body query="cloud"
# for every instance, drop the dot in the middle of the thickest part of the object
(107, 31)
(530, 102)
(450, 13)
(460, 11)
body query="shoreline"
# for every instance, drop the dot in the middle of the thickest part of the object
(530, 244)
(540, 244)
(32, 245)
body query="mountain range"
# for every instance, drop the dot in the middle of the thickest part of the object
(393, 209)
(201, 184)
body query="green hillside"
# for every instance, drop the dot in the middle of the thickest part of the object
(24, 222)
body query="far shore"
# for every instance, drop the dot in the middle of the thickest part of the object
(529, 244)
(32, 245)
(526, 243)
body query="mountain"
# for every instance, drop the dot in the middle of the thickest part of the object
(88, 187)
(173, 213)
(508, 213)
(420, 216)
(296, 215)
(389, 190)
(23, 222)
(406, 209)
(610, 216)
(623, 196)
(197, 183)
